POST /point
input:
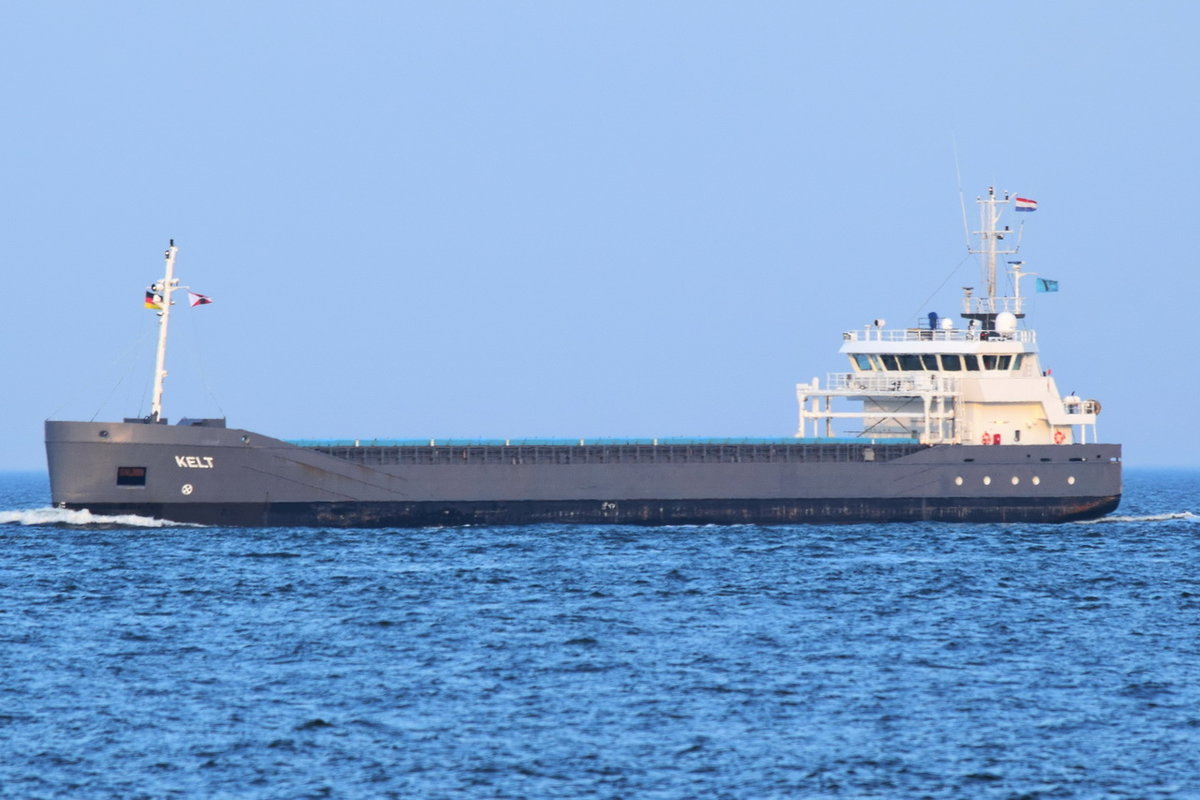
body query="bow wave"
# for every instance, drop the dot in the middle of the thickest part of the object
(68, 518)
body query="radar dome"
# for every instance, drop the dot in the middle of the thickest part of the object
(1006, 322)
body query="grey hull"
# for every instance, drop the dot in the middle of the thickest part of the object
(223, 476)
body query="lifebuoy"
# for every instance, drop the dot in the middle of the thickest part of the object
(1059, 437)
(987, 438)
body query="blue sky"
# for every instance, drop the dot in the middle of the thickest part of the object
(578, 219)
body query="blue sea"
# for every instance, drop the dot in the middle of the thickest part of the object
(898, 661)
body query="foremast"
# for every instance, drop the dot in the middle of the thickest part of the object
(162, 291)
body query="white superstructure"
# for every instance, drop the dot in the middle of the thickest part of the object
(941, 384)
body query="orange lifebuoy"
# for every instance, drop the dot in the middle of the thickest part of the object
(1059, 437)
(987, 438)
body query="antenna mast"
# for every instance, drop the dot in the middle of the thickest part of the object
(984, 309)
(164, 288)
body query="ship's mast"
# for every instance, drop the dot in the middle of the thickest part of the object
(164, 288)
(984, 309)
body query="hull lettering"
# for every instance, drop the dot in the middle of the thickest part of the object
(194, 462)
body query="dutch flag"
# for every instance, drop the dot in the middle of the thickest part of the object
(1025, 204)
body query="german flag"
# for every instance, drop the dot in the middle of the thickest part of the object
(152, 301)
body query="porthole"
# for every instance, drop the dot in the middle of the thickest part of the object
(103, 434)
(958, 481)
(987, 480)
(1036, 480)
(1015, 480)
(1071, 480)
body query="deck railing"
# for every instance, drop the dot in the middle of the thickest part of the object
(891, 382)
(939, 335)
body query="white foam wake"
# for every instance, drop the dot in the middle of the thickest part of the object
(84, 519)
(1149, 517)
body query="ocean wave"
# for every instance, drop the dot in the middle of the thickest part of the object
(68, 518)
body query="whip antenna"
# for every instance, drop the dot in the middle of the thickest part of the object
(962, 203)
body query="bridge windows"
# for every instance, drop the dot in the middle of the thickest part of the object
(996, 362)
(933, 362)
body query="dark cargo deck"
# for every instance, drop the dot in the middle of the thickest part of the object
(699, 452)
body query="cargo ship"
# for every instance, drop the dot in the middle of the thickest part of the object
(940, 420)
